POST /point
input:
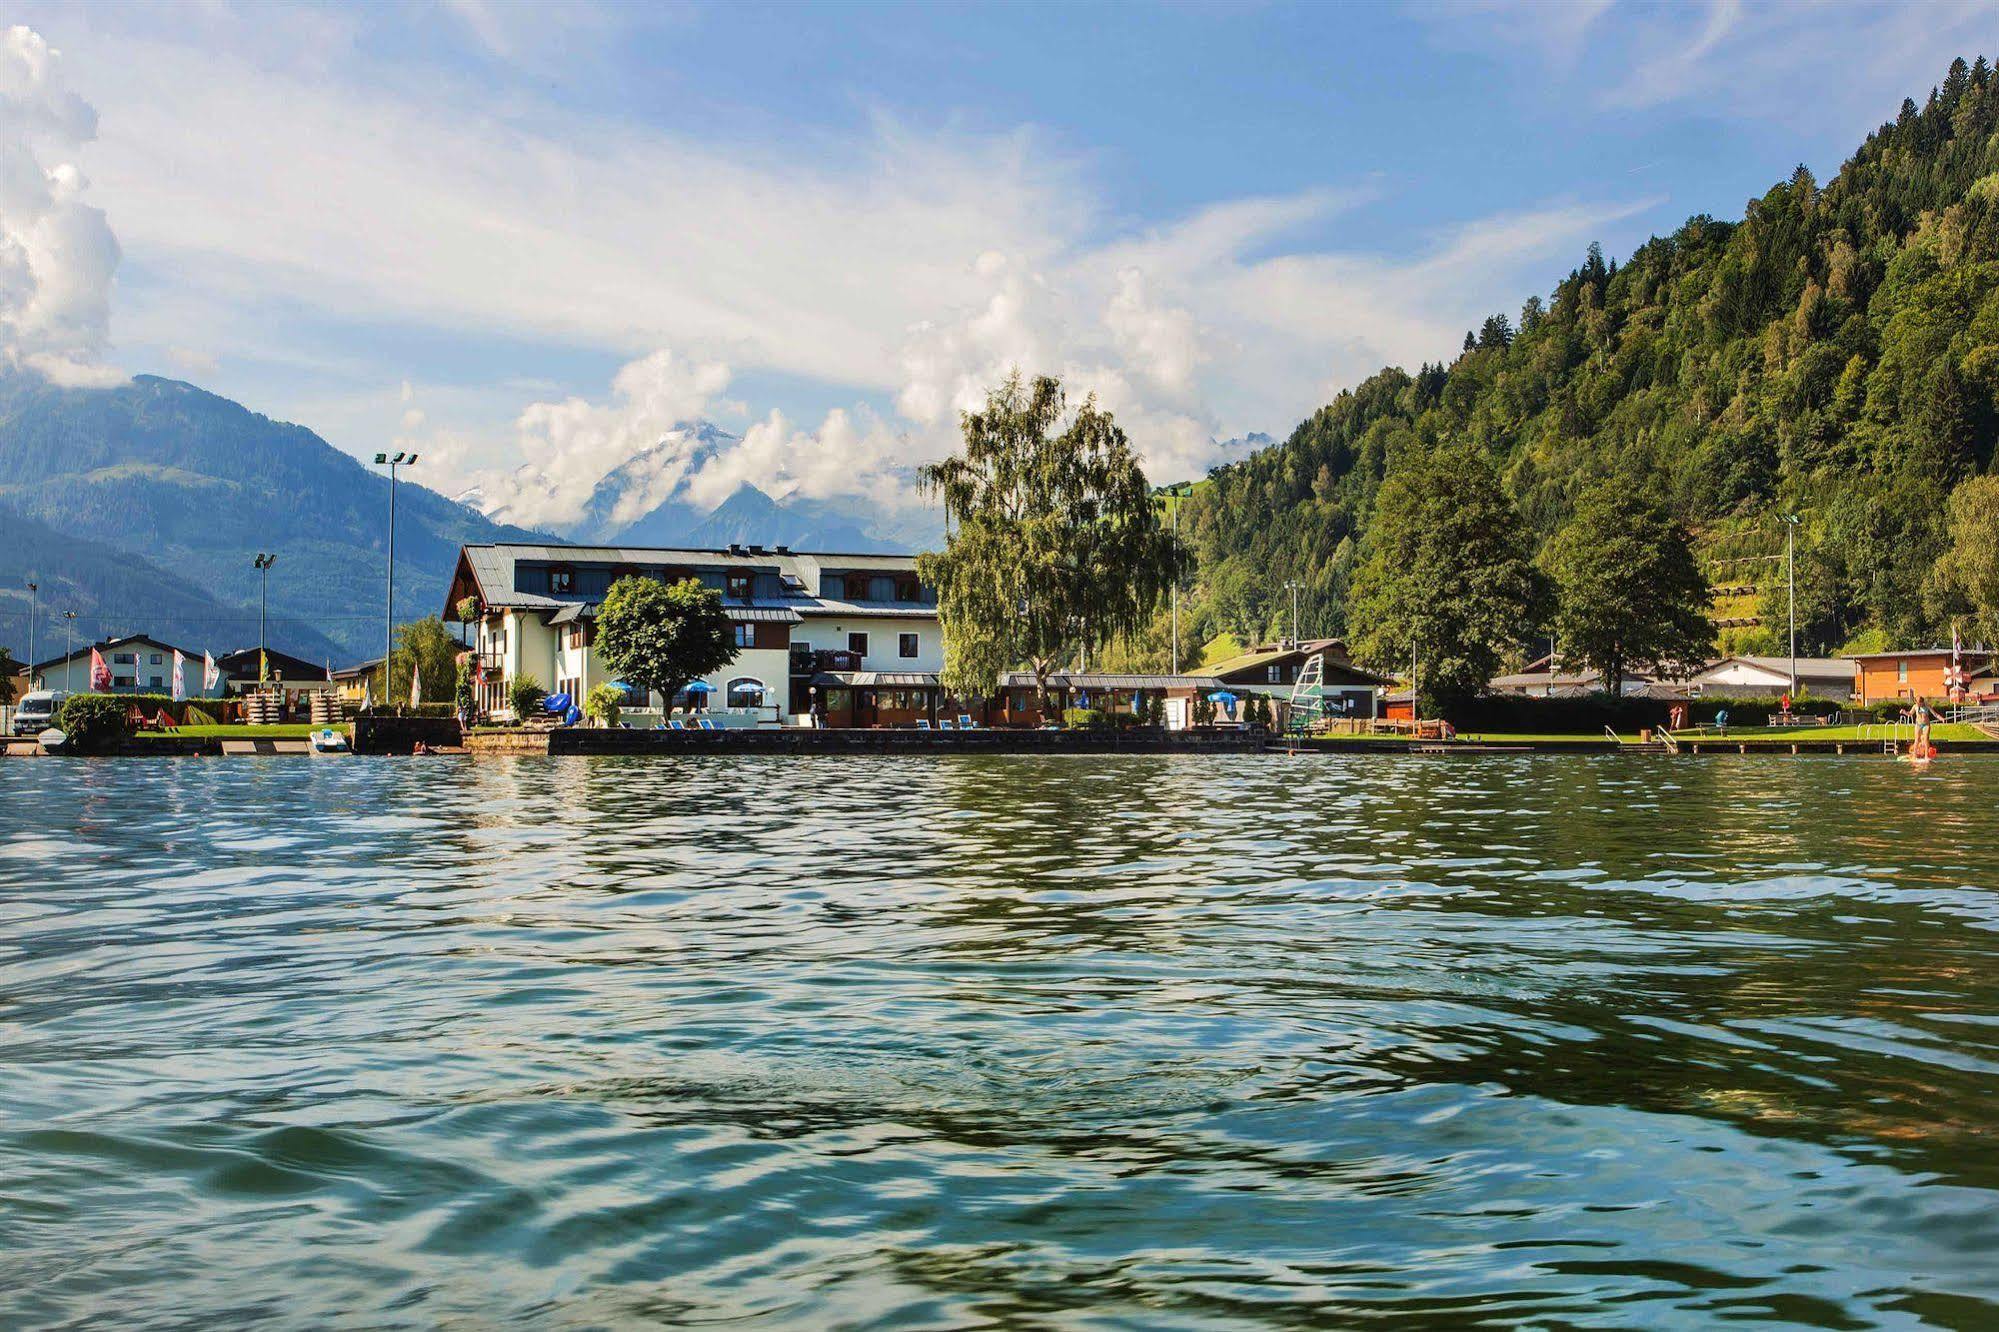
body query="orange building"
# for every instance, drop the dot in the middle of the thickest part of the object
(1885, 677)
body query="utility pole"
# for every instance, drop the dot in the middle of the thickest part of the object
(69, 645)
(1293, 585)
(389, 606)
(1791, 576)
(33, 589)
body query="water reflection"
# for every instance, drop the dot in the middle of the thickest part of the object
(1148, 1041)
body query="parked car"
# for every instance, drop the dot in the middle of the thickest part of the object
(36, 711)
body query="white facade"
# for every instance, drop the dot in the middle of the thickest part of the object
(539, 603)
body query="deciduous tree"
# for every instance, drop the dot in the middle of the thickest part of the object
(1628, 589)
(657, 638)
(1966, 577)
(1446, 572)
(1053, 540)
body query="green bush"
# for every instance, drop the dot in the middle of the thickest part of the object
(603, 703)
(1083, 719)
(526, 694)
(94, 722)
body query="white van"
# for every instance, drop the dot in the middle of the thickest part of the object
(36, 711)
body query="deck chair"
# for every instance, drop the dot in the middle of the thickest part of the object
(676, 725)
(922, 723)
(965, 722)
(944, 724)
(707, 725)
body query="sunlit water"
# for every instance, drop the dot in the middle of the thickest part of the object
(1092, 1042)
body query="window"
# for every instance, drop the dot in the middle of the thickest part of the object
(905, 645)
(125, 658)
(907, 589)
(157, 680)
(857, 644)
(1271, 673)
(745, 693)
(1902, 671)
(739, 585)
(746, 636)
(561, 579)
(157, 660)
(123, 682)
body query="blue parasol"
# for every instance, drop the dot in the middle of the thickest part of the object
(700, 687)
(1221, 696)
(555, 704)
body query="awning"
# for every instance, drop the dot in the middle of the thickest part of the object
(876, 680)
(764, 615)
(574, 611)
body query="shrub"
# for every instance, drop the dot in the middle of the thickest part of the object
(603, 703)
(526, 694)
(94, 722)
(462, 696)
(1083, 719)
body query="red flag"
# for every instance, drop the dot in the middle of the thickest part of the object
(100, 674)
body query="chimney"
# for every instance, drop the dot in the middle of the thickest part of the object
(756, 548)
(781, 550)
(735, 547)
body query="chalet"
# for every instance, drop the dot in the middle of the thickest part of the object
(1273, 669)
(243, 672)
(1885, 677)
(1770, 677)
(139, 664)
(858, 634)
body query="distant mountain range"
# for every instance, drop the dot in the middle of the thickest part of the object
(141, 507)
(642, 502)
(145, 504)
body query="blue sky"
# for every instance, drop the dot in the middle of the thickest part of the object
(528, 239)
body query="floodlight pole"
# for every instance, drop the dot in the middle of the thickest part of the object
(389, 600)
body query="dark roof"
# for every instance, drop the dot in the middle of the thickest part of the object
(358, 669)
(875, 680)
(296, 668)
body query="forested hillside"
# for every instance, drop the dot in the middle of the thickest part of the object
(197, 485)
(1834, 354)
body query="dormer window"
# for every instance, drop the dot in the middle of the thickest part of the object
(908, 589)
(561, 580)
(739, 584)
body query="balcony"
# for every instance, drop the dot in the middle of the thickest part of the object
(808, 661)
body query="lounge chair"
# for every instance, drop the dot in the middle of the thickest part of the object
(944, 724)
(965, 722)
(676, 725)
(707, 725)
(922, 723)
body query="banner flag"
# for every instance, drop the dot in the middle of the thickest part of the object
(100, 674)
(180, 677)
(211, 674)
(416, 685)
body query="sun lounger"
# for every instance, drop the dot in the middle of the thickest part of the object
(676, 725)
(922, 723)
(944, 724)
(707, 725)
(965, 722)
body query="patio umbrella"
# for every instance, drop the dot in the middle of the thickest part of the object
(700, 687)
(1221, 696)
(556, 704)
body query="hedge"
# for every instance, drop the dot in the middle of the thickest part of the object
(1590, 713)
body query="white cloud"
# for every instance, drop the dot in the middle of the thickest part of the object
(57, 253)
(568, 446)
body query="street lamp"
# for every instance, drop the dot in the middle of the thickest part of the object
(1791, 576)
(69, 646)
(264, 563)
(33, 588)
(1292, 585)
(389, 608)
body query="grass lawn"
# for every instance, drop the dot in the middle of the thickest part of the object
(1942, 733)
(279, 731)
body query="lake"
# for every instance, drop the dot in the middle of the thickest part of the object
(1138, 1042)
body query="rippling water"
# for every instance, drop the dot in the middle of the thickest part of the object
(1135, 1042)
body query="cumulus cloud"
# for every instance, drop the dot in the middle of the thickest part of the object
(57, 253)
(568, 446)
